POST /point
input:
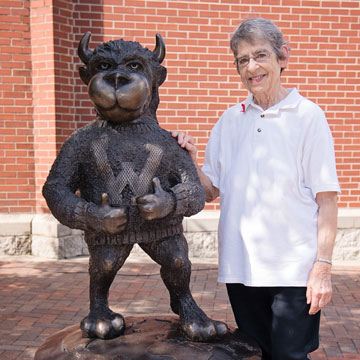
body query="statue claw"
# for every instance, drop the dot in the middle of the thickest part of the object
(197, 326)
(108, 326)
(207, 330)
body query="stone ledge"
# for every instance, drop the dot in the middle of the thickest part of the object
(348, 218)
(15, 224)
(42, 235)
(56, 241)
(47, 225)
(204, 221)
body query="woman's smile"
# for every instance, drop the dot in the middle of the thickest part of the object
(257, 79)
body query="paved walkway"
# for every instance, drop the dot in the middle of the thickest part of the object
(40, 297)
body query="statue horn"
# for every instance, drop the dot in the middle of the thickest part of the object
(83, 49)
(160, 49)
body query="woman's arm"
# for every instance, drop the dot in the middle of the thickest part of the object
(187, 142)
(319, 288)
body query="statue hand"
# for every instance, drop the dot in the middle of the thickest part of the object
(157, 205)
(113, 219)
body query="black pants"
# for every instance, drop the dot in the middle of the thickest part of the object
(277, 319)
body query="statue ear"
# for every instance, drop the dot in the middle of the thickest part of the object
(84, 74)
(163, 73)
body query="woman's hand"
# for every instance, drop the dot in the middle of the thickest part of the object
(319, 288)
(187, 142)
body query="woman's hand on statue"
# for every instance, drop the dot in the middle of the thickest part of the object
(187, 142)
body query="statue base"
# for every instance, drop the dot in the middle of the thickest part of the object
(146, 338)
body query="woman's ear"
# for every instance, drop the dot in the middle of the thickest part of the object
(285, 53)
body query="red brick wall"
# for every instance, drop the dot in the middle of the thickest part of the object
(201, 84)
(17, 180)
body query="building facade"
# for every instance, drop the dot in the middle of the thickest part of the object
(43, 100)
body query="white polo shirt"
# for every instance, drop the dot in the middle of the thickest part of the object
(269, 165)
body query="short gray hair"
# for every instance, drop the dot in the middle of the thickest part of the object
(252, 30)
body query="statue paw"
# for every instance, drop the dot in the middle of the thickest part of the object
(198, 327)
(103, 325)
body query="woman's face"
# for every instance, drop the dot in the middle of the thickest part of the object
(259, 68)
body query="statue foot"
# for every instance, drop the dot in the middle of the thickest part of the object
(103, 324)
(197, 326)
(204, 329)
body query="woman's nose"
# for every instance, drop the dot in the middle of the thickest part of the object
(252, 64)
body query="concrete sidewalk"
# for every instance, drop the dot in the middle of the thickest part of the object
(40, 297)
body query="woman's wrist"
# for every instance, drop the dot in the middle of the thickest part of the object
(324, 260)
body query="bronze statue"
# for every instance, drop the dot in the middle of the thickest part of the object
(135, 184)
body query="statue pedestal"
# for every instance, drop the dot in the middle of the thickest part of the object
(145, 338)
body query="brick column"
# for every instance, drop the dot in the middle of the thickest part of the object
(43, 76)
(53, 89)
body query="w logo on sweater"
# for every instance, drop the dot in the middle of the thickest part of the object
(139, 184)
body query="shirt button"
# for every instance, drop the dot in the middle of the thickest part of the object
(258, 130)
(262, 115)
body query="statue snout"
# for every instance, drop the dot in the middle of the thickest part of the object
(117, 79)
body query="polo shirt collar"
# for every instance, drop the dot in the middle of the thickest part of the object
(289, 102)
(249, 101)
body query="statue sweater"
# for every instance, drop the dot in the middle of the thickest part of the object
(121, 160)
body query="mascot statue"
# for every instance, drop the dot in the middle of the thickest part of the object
(124, 180)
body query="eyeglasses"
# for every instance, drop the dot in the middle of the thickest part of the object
(244, 61)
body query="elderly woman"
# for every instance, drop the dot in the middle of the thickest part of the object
(271, 160)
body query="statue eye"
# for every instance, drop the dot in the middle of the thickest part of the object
(104, 66)
(135, 66)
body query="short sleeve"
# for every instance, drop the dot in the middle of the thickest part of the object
(319, 156)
